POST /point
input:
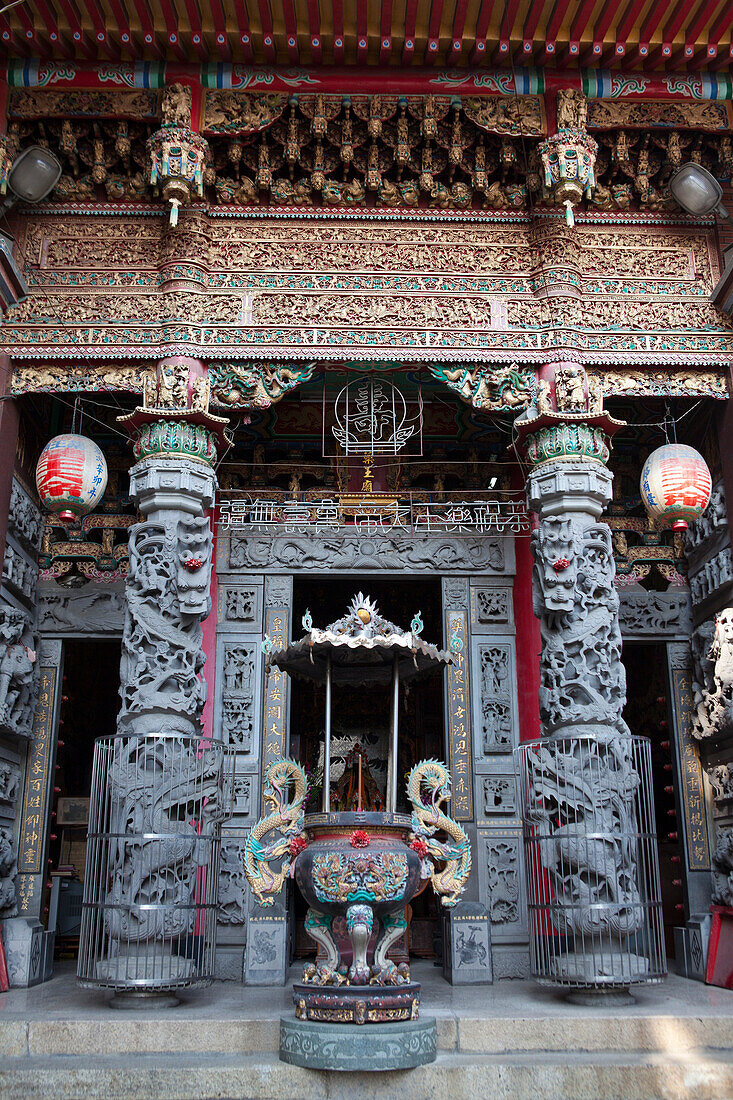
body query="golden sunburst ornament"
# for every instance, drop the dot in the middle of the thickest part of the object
(364, 608)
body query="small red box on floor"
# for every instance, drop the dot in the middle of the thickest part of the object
(720, 950)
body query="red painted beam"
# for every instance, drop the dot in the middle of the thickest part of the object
(8, 37)
(436, 17)
(197, 32)
(530, 26)
(338, 31)
(626, 24)
(478, 52)
(268, 34)
(291, 30)
(148, 30)
(170, 15)
(59, 41)
(245, 32)
(652, 21)
(100, 30)
(80, 39)
(314, 26)
(220, 30)
(385, 32)
(680, 12)
(29, 31)
(123, 25)
(578, 27)
(459, 24)
(362, 35)
(507, 24)
(408, 48)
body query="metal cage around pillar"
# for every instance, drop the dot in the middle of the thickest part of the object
(592, 861)
(151, 880)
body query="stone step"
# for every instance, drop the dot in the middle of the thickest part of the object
(140, 1033)
(673, 1075)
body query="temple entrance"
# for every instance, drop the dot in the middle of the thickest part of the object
(89, 705)
(361, 728)
(646, 713)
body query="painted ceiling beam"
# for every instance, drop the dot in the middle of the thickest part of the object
(433, 43)
(408, 47)
(385, 33)
(479, 51)
(362, 32)
(146, 28)
(338, 32)
(291, 31)
(220, 30)
(268, 33)
(170, 17)
(314, 26)
(459, 24)
(245, 31)
(197, 30)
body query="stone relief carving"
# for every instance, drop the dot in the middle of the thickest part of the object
(370, 553)
(455, 593)
(496, 698)
(583, 682)
(492, 605)
(654, 612)
(499, 795)
(232, 884)
(713, 520)
(712, 575)
(278, 592)
(18, 672)
(721, 780)
(9, 781)
(237, 708)
(95, 611)
(19, 571)
(723, 869)
(8, 869)
(242, 795)
(502, 859)
(239, 604)
(712, 645)
(162, 655)
(24, 519)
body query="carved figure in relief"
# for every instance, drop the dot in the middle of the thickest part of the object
(286, 818)
(18, 680)
(572, 109)
(713, 696)
(428, 787)
(175, 107)
(8, 870)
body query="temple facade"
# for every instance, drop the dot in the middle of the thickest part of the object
(341, 325)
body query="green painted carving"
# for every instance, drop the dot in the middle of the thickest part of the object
(496, 388)
(255, 384)
(577, 440)
(175, 437)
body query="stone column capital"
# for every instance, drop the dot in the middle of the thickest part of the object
(178, 483)
(566, 487)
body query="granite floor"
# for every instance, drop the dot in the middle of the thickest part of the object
(61, 998)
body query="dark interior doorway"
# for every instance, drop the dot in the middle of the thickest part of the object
(646, 714)
(89, 706)
(362, 715)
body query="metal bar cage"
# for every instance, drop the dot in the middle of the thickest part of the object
(152, 872)
(591, 860)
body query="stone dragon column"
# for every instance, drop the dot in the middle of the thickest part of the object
(161, 781)
(582, 779)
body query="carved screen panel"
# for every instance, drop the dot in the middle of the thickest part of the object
(494, 700)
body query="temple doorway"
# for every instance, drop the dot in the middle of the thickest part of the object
(89, 705)
(361, 720)
(646, 713)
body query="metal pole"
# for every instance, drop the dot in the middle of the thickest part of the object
(392, 801)
(327, 747)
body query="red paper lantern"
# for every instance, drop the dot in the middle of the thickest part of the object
(675, 485)
(71, 476)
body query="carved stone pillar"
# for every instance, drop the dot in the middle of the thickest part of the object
(582, 779)
(144, 898)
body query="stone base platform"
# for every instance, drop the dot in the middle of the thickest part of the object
(510, 1041)
(349, 1047)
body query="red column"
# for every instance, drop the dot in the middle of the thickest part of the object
(9, 420)
(529, 642)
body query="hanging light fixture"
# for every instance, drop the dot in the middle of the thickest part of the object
(71, 476)
(675, 485)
